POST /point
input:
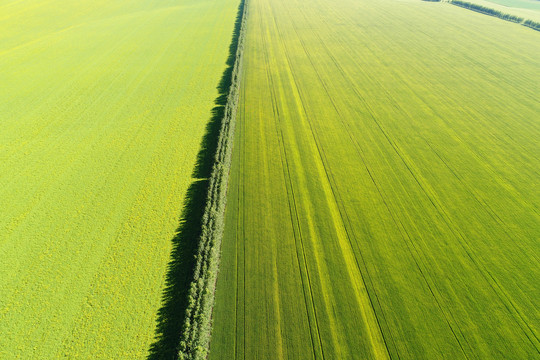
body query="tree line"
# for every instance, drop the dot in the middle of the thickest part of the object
(532, 24)
(197, 327)
(489, 11)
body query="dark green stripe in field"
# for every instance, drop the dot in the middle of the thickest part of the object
(384, 197)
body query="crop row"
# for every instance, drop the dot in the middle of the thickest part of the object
(197, 326)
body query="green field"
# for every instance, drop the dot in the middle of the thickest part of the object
(103, 107)
(384, 199)
(521, 4)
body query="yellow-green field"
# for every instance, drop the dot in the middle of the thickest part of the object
(103, 106)
(384, 199)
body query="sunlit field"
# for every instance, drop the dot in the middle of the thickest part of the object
(384, 198)
(103, 106)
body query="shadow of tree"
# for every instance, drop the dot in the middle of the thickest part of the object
(180, 271)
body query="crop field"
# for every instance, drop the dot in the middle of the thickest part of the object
(523, 4)
(384, 199)
(103, 108)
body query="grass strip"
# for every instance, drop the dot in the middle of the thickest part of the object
(196, 334)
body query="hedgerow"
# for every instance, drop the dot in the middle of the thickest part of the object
(488, 11)
(197, 327)
(492, 12)
(532, 24)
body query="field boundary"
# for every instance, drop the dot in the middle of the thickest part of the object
(496, 13)
(197, 327)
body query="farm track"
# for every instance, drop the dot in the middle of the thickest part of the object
(381, 204)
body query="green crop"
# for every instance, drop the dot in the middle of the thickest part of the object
(383, 199)
(103, 107)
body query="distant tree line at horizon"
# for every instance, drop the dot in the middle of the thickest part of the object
(492, 12)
